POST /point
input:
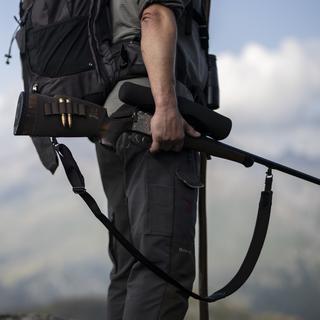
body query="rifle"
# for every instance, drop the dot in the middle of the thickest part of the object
(43, 116)
(133, 94)
(47, 116)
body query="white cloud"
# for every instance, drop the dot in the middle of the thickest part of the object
(273, 96)
(279, 81)
(8, 103)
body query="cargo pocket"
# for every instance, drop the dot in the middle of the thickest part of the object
(187, 184)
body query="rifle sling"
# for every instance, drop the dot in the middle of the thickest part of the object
(77, 182)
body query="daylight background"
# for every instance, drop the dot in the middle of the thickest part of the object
(53, 252)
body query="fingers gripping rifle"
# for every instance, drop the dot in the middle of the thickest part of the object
(39, 115)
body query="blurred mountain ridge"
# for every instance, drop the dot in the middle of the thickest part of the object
(88, 308)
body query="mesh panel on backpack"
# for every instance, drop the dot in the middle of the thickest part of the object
(65, 48)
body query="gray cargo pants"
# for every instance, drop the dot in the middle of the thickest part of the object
(152, 201)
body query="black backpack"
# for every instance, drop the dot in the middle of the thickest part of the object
(66, 49)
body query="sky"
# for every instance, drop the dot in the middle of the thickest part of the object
(236, 23)
(269, 68)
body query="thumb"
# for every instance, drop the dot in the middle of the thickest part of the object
(155, 146)
(190, 131)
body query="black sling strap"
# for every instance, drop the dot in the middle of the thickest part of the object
(206, 6)
(203, 239)
(76, 179)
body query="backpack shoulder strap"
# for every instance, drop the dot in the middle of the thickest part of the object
(25, 4)
(205, 6)
(202, 19)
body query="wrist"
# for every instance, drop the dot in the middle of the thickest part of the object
(166, 100)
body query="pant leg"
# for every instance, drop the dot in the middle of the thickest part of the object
(156, 226)
(112, 175)
(162, 193)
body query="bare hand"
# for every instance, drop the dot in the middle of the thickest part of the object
(168, 130)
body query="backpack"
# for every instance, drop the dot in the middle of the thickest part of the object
(65, 48)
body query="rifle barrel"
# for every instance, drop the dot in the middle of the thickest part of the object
(270, 164)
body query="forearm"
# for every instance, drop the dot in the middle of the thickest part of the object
(158, 45)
